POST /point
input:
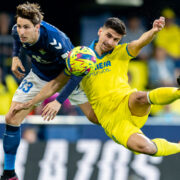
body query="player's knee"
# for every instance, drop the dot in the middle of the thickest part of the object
(141, 98)
(10, 119)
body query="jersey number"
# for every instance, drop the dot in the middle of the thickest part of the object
(26, 86)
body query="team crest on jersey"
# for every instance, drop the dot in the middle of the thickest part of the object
(24, 46)
(40, 60)
(42, 51)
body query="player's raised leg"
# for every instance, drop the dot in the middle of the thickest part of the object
(139, 105)
(11, 140)
(139, 102)
(141, 144)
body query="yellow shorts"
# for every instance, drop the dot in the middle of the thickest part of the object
(121, 124)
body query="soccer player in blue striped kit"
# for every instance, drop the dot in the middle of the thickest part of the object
(48, 47)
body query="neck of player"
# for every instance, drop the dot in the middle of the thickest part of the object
(36, 37)
(98, 50)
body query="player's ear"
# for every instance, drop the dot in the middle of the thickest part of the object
(100, 31)
(37, 26)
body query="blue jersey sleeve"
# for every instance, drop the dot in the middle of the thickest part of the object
(17, 42)
(68, 89)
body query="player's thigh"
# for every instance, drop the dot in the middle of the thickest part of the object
(29, 88)
(138, 103)
(123, 130)
(16, 118)
(89, 112)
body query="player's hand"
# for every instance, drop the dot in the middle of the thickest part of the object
(22, 106)
(50, 110)
(16, 63)
(159, 24)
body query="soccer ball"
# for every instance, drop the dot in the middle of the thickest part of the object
(80, 61)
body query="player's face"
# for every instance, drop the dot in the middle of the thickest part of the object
(108, 39)
(28, 33)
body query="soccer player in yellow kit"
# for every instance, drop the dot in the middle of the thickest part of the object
(121, 110)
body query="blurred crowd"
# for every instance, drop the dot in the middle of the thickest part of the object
(157, 65)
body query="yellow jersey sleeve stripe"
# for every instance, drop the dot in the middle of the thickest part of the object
(129, 52)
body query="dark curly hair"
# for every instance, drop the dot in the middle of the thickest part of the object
(30, 11)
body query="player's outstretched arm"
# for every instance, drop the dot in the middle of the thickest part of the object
(135, 46)
(52, 108)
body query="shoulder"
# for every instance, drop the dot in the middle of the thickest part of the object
(14, 33)
(14, 30)
(55, 39)
(122, 49)
(121, 46)
(52, 31)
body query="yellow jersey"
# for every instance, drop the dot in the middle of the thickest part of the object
(108, 84)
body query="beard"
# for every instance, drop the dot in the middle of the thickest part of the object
(106, 47)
